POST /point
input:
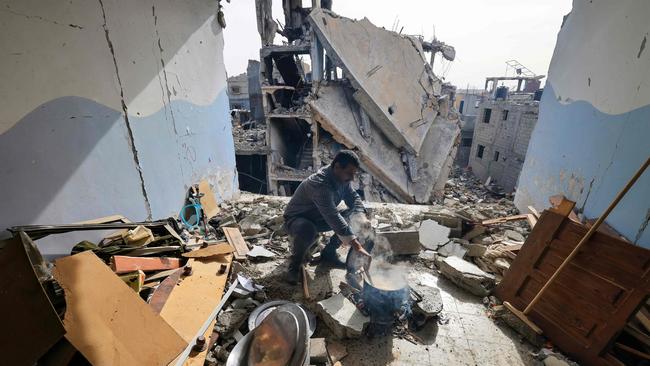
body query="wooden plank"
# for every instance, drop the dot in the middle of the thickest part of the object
(237, 241)
(564, 207)
(501, 220)
(195, 297)
(212, 250)
(109, 323)
(123, 263)
(643, 318)
(208, 201)
(532, 220)
(30, 324)
(534, 211)
(633, 351)
(639, 335)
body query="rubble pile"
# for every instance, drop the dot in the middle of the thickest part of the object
(250, 139)
(239, 251)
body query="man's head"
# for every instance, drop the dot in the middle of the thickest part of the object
(345, 166)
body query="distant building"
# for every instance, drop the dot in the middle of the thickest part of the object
(238, 92)
(467, 104)
(502, 130)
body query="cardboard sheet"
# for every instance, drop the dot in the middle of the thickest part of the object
(108, 322)
(194, 298)
(212, 250)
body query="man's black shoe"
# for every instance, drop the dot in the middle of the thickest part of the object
(293, 275)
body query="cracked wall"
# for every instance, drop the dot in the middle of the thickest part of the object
(592, 132)
(110, 106)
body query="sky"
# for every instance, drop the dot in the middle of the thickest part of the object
(485, 33)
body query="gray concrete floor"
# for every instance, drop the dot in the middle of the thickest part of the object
(469, 338)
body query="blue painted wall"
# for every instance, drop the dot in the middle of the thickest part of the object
(588, 156)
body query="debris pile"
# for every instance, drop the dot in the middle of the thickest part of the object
(249, 138)
(238, 250)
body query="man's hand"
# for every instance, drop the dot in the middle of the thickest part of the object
(356, 245)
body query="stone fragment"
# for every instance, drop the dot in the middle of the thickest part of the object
(428, 255)
(484, 240)
(475, 250)
(476, 231)
(250, 225)
(511, 234)
(553, 360)
(432, 234)
(336, 350)
(467, 276)
(342, 317)
(318, 351)
(452, 249)
(402, 242)
(431, 304)
(230, 320)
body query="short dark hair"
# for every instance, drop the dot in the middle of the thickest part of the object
(346, 157)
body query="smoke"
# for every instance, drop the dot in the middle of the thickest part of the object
(382, 272)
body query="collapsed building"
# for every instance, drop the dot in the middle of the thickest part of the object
(467, 103)
(502, 129)
(369, 89)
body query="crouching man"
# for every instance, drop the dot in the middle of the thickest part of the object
(312, 210)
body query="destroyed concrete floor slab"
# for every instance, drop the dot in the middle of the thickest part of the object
(334, 111)
(380, 62)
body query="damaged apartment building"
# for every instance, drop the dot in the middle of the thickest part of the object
(339, 83)
(502, 128)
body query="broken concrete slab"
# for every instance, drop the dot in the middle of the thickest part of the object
(467, 276)
(405, 242)
(432, 234)
(342, 317)
(431, 304)
(452, 249)
(396, 62)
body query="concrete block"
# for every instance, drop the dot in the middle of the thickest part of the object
(342, 317)
(403, 242)
(467, 276)
(432, 234)
(318, 351)
(452, 249)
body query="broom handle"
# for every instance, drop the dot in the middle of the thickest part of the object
(589, 233)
